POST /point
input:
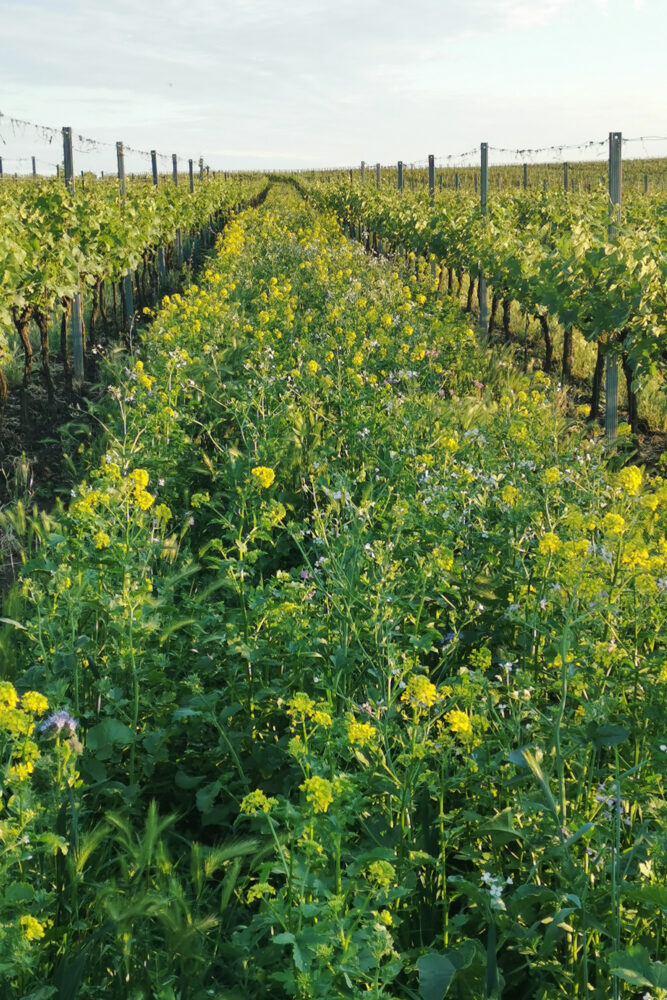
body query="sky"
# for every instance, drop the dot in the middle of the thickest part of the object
(299, 84)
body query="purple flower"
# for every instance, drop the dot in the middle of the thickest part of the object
(59, 722)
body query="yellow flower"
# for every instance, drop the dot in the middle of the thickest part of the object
(101, 540)
(551, 476)
(256, 802)
(300, 705)
(459, 722)
(8, 695)
(259, 890)
(613, 524)
(319, 793)
(360, 733)
(32, 929)
(420, 693)
(263, 475)
(34, 702)
(140, 478)
(549, 544)
(143, 499)
(508, 494)
(629, 480)
(636, 557)
(312, 367)
(20, 772)
(321, 717)
(382, 873)
(15, 722)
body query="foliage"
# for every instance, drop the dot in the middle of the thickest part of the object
(366, 646)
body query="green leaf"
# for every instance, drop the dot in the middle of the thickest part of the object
(436, 973)
(19, 892)
(284, 938)
(108, 732)
(607, 735)
(207, 795)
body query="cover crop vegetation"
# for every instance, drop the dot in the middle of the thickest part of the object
(353, 647)
(56, 243)
(549, 252)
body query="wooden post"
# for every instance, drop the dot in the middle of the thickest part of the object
(1, 174)
(201, 169)
(154, 167)
(363, 172)
(377, 176)
(179, 237)
(128, 298)
(77, 339)
(191, 176)
(400, 175)
(525, 176)
(67, 158)
(484, 185)
(645, 179)
(34, 167)
(456, 181)
(120, 156)
(431, 178)
(565, 184)
(615, 189)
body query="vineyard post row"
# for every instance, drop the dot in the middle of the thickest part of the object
(128, 299)
(615, 193)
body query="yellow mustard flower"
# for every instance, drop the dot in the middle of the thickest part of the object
(263, 476)
(8, 695)
(629, 480)
(508, 494)
(459, 722)
(360, 733)
(613, 524)
(420, 693)
(319, 793)
(382, 873)
(549, 544)
(256, 802)
(101, 540)
(33, 701)
(31, 927)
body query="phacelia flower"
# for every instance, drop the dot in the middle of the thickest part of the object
(60, 723)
